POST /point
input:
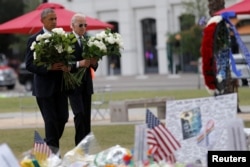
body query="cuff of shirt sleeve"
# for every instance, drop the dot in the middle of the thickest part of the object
(77, 64)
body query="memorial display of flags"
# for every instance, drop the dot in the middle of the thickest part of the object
(162, 144)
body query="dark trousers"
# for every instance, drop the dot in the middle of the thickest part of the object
(55, 114)
(81, 107)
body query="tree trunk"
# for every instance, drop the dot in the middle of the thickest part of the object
(215, 5)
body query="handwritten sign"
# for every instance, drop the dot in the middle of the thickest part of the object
(199, 125)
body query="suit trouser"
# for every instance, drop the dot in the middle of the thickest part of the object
(81, 107)
(54, 110)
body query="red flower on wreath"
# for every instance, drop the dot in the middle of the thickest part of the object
(207, 52)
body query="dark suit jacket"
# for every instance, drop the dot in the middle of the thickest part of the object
(87, 82)
(45, 82)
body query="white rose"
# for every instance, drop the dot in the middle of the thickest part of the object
(103, 47)
(58, 31)
(32, 47)
(39, 37)
(96, 43)
(103, 34)
(92, 39)
(34, 55)
(44, 36)
(59, 48)
(110, 40)
(117, 35)
(99, 36)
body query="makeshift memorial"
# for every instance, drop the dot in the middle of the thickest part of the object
(81, 153)
(55, 47)
(162, 143)
(111, 156)
(217, 57)
(207, 125)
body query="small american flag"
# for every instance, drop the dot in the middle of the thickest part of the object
(41, 150)
(162, 144)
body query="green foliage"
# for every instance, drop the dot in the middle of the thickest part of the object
(189, 42)
(192, 48)
(191, 34)
(11, 9)
(21, 140)
(53, 48)
(197, 8)
(186, 21)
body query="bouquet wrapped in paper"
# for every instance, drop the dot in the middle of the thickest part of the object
(82, 154)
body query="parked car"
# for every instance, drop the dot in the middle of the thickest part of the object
(25, 77)
(7, 74)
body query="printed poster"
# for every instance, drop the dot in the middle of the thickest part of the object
(200, 125)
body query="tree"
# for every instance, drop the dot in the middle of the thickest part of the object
(190, 30)
(198, 8)
(11, 44)
(9, 10)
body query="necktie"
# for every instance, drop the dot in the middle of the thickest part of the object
(80, 41)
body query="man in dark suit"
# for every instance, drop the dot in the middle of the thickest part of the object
(80, 98)
(52, 101)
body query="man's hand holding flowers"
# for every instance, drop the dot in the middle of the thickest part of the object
(95, 47)
(93, 61)
(85, 63)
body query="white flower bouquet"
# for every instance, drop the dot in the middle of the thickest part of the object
(102, 44)
(55, 47)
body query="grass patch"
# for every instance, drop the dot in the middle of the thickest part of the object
(14, 104)
(21, 140)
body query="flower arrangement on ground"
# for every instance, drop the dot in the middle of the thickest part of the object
(102, 44)
(55, 47)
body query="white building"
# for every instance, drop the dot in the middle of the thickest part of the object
(144, 25)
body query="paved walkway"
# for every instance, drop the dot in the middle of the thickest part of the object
(34, 119)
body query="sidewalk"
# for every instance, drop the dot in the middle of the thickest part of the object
(34, 119)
